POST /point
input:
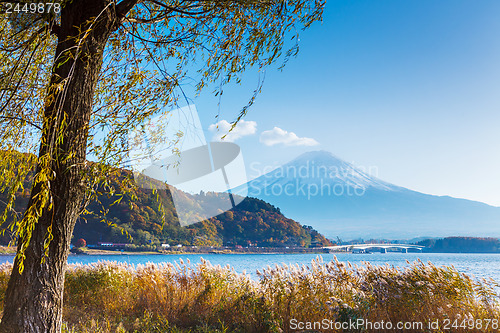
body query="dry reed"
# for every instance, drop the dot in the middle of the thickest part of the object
(114, 297)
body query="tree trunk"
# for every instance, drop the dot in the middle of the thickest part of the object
(34, 298)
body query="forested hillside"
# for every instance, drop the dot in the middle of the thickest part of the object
(134, 218)
(462, 244)
(253, 221)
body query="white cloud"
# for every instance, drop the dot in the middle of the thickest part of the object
(278, 135)
(242, 128)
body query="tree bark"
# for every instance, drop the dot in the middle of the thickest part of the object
(34, 298)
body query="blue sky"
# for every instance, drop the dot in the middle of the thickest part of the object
(411, 88)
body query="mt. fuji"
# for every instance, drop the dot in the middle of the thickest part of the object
(321, 190)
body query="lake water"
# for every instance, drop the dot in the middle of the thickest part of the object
(477, 265)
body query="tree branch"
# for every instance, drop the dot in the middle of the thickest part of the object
(124, 7)
(178, 10)
(21, 119)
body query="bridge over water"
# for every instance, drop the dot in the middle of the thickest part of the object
(363, 248)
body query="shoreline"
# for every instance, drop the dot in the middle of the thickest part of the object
(118, 253)
(11, 251)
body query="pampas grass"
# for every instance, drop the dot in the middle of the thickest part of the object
(116, 297)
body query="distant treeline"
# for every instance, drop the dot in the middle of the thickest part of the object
(462, 244)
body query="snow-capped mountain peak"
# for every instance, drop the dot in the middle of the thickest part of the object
(320, 168)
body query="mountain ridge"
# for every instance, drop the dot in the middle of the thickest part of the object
(348, 202)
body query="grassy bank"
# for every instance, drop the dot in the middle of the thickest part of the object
(111, 297)
(7, 250)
